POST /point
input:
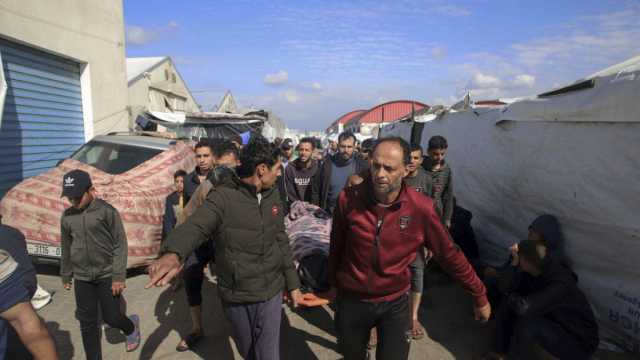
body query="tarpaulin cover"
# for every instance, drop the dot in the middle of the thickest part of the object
(209, 125)
(34, 206)
(401, 129)
(574, 156)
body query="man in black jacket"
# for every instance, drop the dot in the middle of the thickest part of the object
(545, 311)
(225, 155)
(253, 258)
(335, 171)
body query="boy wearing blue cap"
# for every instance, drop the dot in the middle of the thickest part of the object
(94, 255)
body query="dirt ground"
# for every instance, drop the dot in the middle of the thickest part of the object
(306, 333)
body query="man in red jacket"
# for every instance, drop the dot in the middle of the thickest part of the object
(378, 226)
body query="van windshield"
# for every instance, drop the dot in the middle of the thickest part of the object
(113, 158)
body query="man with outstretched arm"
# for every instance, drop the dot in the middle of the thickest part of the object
(378, 227)
(253, 258)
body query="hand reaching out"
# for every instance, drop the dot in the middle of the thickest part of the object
(163, 270)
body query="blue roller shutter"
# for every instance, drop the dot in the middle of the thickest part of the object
(42, 117)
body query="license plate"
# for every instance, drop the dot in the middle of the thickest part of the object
(44, 250)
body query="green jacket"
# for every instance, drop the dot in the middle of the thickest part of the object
(94, 244)
(253, 257)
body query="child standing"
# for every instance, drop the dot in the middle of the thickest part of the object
(174, 204)
(94, 254)
(420, 180)
(441, 178)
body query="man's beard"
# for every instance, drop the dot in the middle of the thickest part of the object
(390, 188)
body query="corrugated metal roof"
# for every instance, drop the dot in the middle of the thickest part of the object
(489, 103)
(348, 116)
(389, 112)
(138, 66)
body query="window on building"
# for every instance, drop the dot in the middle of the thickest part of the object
(166, 74)
(173, 78)
(167, 104)
(180, 105)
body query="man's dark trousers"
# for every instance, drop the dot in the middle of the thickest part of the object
(193, 273)
(88, 295)
(256, 328)
(355, 319)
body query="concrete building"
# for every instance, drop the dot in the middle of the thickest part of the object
(64, 64)
(228, 104)
(156, 85)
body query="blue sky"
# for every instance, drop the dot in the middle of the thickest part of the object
(312, 61)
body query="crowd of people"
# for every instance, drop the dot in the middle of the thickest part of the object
(393, 212)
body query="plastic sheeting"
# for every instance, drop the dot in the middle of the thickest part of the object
(401, 129)
(574, 156)
(209, 125)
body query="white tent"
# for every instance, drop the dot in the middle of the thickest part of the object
(575, 154)
(400, 128)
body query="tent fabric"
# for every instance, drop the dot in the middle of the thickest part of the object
(574, 156)
(598, 104)
(629, 66)
(34, 206)
(401, 129)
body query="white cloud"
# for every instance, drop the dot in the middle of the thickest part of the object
(291, 96)
(485, 81)
(524, 80)
(276, 79)
(138, 35)
(316, 86)
(601, 39)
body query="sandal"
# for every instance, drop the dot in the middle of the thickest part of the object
(189, 342)
(133, 339)
(417, 330)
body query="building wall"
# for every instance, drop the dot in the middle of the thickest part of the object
(142, 98)
(89, 32)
